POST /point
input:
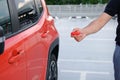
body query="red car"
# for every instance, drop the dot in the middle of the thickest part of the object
(29, 41)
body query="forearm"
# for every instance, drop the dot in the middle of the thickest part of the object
(97, 24)
(93, 27)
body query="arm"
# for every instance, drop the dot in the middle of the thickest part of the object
(97, 24)
(93, 27)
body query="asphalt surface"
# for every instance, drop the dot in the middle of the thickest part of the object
(90, 59)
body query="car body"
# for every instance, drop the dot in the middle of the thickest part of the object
(29, 41)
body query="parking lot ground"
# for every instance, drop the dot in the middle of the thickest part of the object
(90, 59)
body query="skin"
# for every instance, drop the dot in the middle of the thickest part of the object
(93, 27)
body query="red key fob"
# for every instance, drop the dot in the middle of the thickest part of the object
(75, 33)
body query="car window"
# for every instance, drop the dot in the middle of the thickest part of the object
(27, 12)
(5, 21)
(39, 6)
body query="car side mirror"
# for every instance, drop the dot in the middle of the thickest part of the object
(2, 40)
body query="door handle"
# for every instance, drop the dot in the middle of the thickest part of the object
(16, 56)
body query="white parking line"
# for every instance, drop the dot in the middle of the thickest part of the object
(87, 72)
(99, 39)
(83, 74)
(89, 61)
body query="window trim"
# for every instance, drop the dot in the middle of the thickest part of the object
(13, 15)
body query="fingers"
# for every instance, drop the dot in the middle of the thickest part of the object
(79, 37)
(75, 32)
(78, 34)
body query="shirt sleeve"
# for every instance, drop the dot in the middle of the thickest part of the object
(112, 7)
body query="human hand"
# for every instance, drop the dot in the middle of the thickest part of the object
(78, 34)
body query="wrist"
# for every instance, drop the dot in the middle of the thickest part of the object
(85, 32)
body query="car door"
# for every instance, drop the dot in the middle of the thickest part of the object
(13, 59)
(32, 23)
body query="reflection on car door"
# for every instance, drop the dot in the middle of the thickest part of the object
(36, 55)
